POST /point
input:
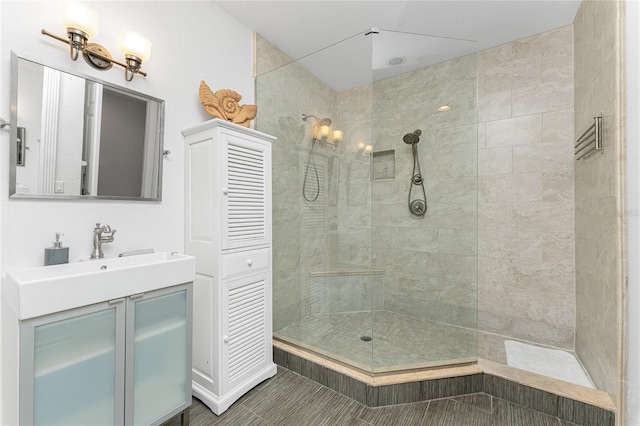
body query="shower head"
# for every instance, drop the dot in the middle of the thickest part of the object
(321, 127)
(412, 138)
(319, 121)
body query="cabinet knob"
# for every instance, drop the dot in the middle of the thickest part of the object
(249, 262)
(225, 338)
(225, 191)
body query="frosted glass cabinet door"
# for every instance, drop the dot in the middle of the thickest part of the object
(73, 372)
(161, 358)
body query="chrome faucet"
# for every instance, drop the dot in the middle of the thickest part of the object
(101, 234)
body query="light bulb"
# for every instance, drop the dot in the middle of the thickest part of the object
(135, 44)
(80, 17)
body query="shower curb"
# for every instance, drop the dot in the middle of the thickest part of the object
(587, 407)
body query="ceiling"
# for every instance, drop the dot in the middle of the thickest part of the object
(419, 32)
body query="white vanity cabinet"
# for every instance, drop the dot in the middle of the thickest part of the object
(228, 230)
(124, 361)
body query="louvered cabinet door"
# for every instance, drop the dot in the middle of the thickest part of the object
(246, 191)
(246, 334)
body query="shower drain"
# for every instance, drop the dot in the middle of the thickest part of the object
(366, 338)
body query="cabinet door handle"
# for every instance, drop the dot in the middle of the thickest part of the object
(225, 191)
(136, 296)
(116, 301)
(249, 262)
(225, 338)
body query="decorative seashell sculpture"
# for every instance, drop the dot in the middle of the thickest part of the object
(223, 104)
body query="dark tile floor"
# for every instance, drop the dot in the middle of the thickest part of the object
(290, 399)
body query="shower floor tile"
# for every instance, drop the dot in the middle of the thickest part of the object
(398, 342)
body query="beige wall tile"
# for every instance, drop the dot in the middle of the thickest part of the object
(557, 126)
(494, 161)
(494, 106)
(557, 186)
(542, 158)
(543, 97)
(514, 131)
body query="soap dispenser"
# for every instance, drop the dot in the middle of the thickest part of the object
(57, 254)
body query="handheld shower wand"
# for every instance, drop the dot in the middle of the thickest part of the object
(417, 205)
(315, 137)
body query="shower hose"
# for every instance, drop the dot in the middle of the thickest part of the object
(311, 162)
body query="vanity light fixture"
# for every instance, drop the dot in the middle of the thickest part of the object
(81, 23)
(136, 49)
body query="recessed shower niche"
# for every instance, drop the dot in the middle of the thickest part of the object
(384, 165)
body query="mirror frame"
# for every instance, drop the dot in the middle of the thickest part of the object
(13, 138)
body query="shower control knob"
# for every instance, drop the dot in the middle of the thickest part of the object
(225, 191)
(249, 262)
(418, 207)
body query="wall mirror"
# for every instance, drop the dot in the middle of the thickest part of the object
(76, 137)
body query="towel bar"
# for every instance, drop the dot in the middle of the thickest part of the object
(591, 139)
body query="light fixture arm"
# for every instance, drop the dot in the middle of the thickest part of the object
(132, 67)
(79, 43)
(77, 39)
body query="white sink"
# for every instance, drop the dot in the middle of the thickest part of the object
(39, 291)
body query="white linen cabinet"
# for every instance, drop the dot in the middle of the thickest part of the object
(228, 230)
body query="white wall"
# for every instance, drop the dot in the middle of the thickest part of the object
(192, 41)
(633, 205)
(215, 48)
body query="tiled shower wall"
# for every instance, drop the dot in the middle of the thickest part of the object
(597, 193)
(525, 192)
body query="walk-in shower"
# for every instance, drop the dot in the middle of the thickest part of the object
(361, 276)
(451, 222)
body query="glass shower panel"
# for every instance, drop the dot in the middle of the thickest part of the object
(425, 211)
(322, 265)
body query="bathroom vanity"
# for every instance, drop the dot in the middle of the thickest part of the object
(228, 230)
(101, 342)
